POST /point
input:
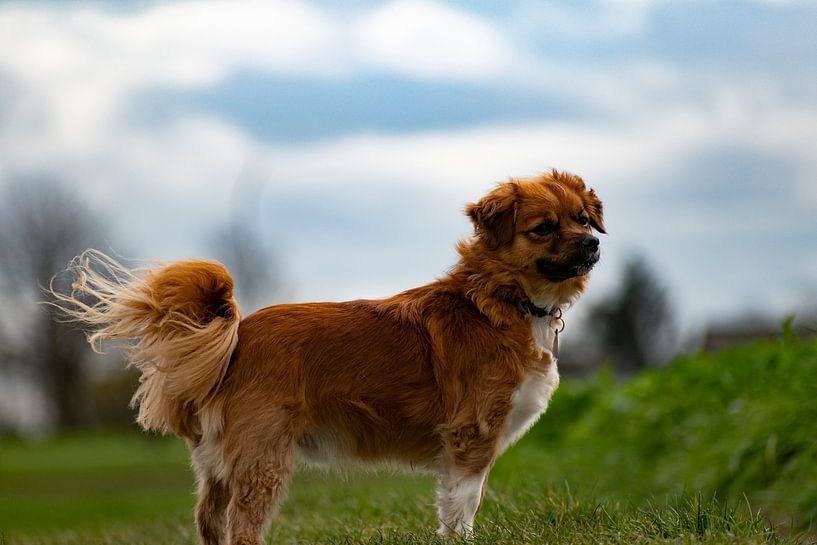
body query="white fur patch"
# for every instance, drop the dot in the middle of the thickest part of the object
(544, 331)
(458, 499)
(529, 401)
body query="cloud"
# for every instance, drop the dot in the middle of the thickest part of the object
(390, 197)
(180, 43)
(426, 39)
(82, 64)
(72, 69)
(75, 65)
(195, 43)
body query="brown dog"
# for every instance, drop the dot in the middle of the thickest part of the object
(443, 377)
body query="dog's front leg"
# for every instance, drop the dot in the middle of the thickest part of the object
(469, 454)
(459, 494)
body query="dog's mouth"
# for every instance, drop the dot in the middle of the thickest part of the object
(556, 271)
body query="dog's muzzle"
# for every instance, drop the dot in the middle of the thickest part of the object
(585, 258)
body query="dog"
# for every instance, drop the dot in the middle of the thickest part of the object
(441, 378)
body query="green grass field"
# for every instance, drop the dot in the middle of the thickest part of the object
(637, 462)
(127, 489)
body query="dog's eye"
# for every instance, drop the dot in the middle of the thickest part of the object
(543, 228)
(583, 219)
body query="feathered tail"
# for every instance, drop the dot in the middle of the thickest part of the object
(182, 322)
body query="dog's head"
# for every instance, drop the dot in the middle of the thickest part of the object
(541, 229)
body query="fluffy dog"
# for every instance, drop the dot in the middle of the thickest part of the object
(443, 377)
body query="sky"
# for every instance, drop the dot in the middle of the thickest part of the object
(351, 136)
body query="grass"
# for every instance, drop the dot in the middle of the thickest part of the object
(396, 509)
(737, 423)
(85, 481)
(636, 462)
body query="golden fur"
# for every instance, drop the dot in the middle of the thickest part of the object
(433, 378)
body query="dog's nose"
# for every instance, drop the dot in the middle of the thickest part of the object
(590, 242)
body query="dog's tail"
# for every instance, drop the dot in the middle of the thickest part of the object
(181, 322)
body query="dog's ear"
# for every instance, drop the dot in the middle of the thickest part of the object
(594, 210)
(494, 216)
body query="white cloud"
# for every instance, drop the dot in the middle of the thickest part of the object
(79, 65)
(73, 67)
(180, 43)
(426, 39)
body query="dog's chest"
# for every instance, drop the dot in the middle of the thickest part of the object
(532, 395)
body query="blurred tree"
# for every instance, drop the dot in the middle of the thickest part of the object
(634, 326)
(43, 226)
(109, 395)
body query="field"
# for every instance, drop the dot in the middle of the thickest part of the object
(712, 449)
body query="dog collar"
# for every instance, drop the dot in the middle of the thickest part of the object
(526, 306)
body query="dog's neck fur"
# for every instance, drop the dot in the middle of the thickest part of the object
(490, 283)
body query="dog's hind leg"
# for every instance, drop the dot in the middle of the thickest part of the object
(258, 481)
(211, 510)
(213, 493)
